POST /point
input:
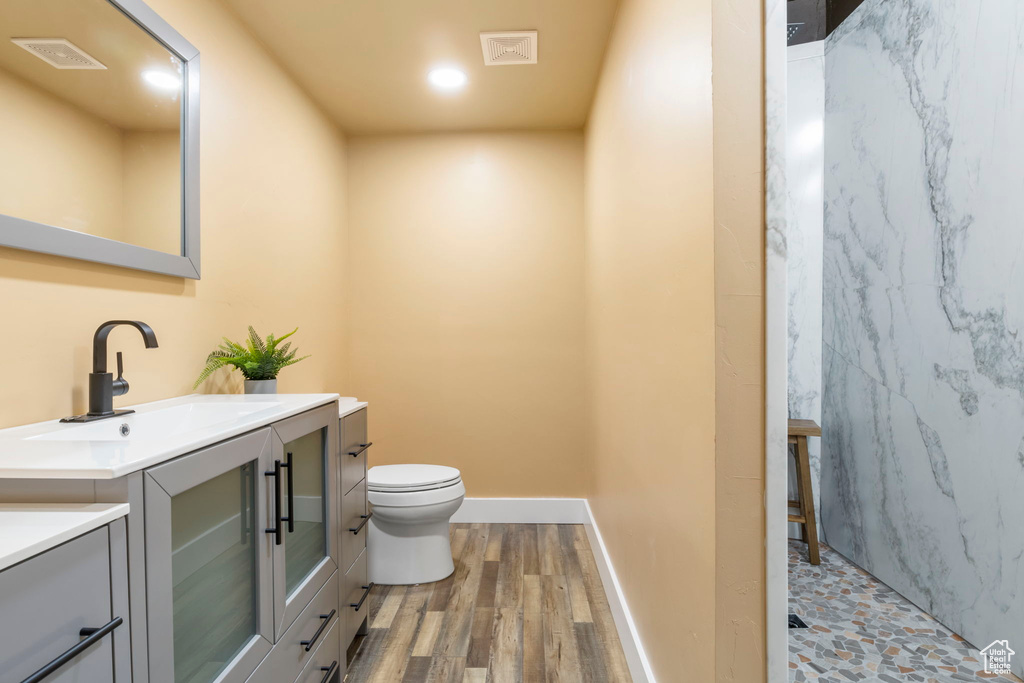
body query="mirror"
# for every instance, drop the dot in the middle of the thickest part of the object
(98, 134)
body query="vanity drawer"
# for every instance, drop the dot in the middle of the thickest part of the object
(289, 654)
(355, 601)
(353, 507)
(354, 449)
(46, 600)
(326, 665)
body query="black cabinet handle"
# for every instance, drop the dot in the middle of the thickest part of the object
(359, 451)
(356, 529)
(276, 474)
(330, 671)
(91, 635)
(291, 493)
(366, 591)
(326, 620)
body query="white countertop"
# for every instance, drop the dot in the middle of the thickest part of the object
(49, 450)
(348, 405)
(27, 529)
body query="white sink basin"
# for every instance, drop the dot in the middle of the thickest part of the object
(158, 424)
(157, 432)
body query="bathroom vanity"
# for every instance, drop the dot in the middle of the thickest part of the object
(64, 591)
(224, 541)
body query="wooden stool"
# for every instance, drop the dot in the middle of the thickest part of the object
(799, 430)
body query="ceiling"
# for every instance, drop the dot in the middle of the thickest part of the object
(366, 61)
(116, 94)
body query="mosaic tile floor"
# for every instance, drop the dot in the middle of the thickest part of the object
(859, 629)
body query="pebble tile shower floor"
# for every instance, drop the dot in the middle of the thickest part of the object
(859, 629)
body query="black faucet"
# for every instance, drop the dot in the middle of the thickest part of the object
(103, 387)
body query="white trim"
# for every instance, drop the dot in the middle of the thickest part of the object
(636, 657)
(309, 508)
(776, 339)
(805, 51)
(568, 511)
(218, 538)
(207, 545)
(522, 511)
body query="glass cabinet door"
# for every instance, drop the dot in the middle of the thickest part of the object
(223, 575)
(306, 556)
(306, 542)
(208, 562)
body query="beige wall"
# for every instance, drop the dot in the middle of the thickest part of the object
(466, 260)
(61, 166)
(651, 327)
(481, 267)
(273, 220)
(76, 171)
(152, 189)
(739, 314)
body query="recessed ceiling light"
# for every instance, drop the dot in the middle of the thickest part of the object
(447, 78)
(164, 80)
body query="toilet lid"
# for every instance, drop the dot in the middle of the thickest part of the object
(410, 477)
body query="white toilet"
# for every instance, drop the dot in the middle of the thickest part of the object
(408, 539)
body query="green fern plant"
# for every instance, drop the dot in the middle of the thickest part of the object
(256, 358)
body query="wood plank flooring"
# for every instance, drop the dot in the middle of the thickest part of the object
(525, 604)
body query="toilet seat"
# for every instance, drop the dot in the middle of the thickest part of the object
(411, 478)
(415, 499)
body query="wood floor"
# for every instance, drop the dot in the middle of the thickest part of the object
(525, 604)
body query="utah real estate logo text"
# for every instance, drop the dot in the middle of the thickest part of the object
(997, 657)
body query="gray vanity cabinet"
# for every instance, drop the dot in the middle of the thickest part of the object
(234, 558)
(239, 541)
(327, 664)
(209, 562)
(307, 555)
(355, 448)
(354, 453)
(74, 595)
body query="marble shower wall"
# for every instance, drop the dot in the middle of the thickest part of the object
(923, 403)
(805, 98)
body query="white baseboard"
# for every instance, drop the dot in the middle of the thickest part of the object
(522, 511)
(568, 511)
(309, 508)
(197, 552)
(636, 658)
(215, 540)
(204, 547)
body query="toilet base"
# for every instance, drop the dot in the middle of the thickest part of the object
(407, 554)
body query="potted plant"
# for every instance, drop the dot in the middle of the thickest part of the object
(259, 360)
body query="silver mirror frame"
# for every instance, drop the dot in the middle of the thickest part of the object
(47, 239)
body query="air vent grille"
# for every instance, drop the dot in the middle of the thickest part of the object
(502, 48)
(59, 53)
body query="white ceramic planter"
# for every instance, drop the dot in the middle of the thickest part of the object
(261, 386)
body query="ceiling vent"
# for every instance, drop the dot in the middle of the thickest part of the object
(59, 53)
(503, 48)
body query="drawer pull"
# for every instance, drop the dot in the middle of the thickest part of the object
(326, 620)
(91, 635)
(366, 591)
(330, 671)
(359, 451)
(356, 529)
(276, 529)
